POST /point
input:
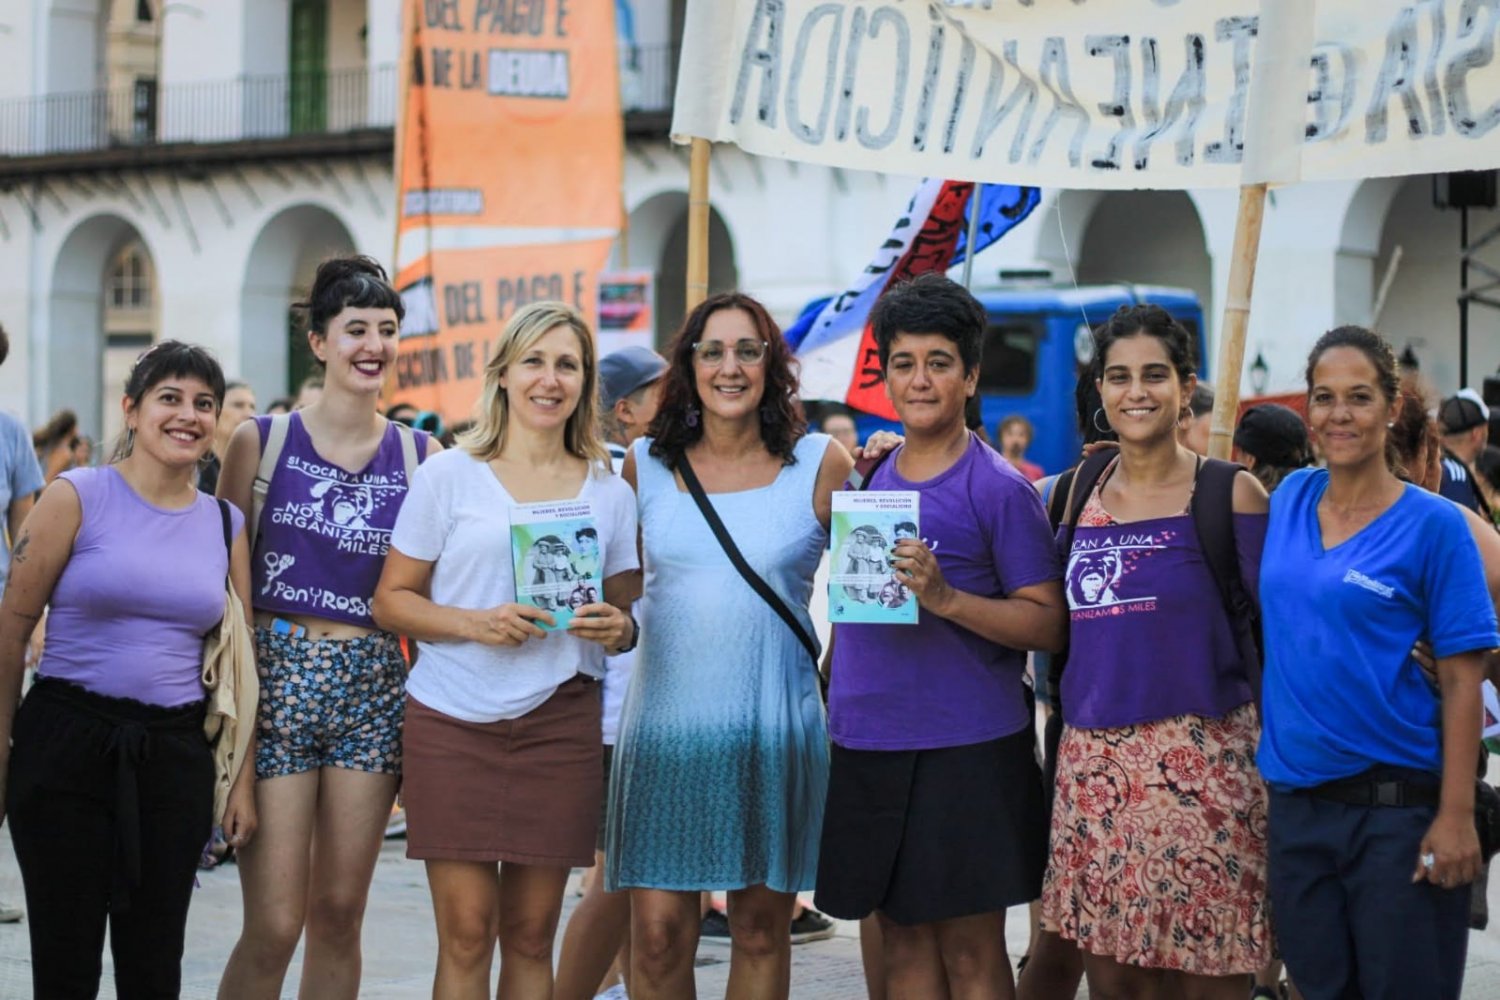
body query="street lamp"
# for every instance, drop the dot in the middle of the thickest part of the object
(1259, 373)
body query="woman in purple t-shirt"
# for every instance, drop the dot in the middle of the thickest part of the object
(108, 777)
(1158, 850)
(328, 754)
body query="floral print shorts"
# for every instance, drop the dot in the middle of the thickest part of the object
(329, 703)
(1159, 845)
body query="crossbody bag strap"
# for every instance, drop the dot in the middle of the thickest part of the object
(228, 531)
(732, 551)
(409, 458)
(270, 455)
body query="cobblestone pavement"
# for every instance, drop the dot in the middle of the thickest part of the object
(401, 944)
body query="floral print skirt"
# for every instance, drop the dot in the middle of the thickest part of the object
(1158, 849)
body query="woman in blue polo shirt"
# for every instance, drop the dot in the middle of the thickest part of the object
(1372, 838)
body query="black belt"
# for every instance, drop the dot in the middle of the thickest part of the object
(1378, 790)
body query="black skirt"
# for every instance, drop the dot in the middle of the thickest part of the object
(927, 835)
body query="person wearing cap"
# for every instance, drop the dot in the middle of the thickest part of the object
(629, 392)
(1465, 423)
(1271, 441)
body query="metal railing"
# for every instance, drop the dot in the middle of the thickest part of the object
(248, 108)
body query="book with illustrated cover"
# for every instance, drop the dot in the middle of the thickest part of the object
(862, 585)
(554, 547)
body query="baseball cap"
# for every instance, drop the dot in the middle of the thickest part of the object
(626, 370)
(1273, 434)
(1463, 411)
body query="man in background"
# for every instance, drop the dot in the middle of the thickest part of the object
(1465, 422)
(1194, 432)
(20, 481)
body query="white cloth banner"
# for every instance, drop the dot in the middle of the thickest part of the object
(1099, 93)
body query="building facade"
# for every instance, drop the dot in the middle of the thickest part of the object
(178, 168)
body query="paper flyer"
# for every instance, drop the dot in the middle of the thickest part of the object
(554, 547)
(862, 584)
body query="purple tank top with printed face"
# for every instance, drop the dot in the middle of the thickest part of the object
(324, 531)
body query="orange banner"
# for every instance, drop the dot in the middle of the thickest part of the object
(511, 161)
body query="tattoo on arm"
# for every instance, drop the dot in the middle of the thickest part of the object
(18, 554)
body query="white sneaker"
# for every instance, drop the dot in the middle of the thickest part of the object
(615, 992)
(396, 825)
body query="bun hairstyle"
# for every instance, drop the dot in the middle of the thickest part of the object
(355, 281)
(1381, 358)
(55, 431)
(169, 359)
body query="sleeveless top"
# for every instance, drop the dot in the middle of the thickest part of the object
(324, 531)
(721, 765)
(141, 588)
(1148, 636)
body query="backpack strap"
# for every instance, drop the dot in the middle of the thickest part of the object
(1212, 508)
(1057, 497)
(270, 457)
(409, 458)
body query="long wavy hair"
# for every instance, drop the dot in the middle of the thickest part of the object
(781, 422)
(492, 410)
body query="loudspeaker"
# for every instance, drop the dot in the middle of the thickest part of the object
(1490, 393)
(1466, 189)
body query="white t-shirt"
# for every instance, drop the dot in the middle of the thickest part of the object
(457, 515)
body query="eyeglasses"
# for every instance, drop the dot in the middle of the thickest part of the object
(746, 352)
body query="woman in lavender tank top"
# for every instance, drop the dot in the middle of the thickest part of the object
(107, 774)
(328, 752)
(1158, 838)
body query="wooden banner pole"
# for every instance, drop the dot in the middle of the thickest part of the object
(697, 249)
(1236, 318)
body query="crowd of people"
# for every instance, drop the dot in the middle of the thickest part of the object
(1261, 684)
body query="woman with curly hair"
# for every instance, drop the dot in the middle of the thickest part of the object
(1158, 842)
(722, 759)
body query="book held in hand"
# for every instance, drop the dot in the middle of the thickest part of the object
(862, 583)
(554, 547)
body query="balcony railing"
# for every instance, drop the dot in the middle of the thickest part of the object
(282, 106)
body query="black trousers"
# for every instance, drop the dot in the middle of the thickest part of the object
(110, 802)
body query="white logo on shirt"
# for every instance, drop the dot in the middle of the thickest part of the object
(1357, 578)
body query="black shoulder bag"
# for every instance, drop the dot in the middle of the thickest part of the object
(751, 577)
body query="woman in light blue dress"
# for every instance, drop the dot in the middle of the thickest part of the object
(722, 760)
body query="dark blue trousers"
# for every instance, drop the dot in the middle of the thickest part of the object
(1350, 922)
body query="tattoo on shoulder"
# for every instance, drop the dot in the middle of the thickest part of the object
(19, 554)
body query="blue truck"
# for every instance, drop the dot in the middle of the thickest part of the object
(1039, 336)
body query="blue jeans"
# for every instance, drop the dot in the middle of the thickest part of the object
(1351, 923)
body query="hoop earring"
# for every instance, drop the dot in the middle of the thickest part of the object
(691, 416)
(1104, 429)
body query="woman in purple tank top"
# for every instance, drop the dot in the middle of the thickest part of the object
(328, 756)
(1157, 864)
(106, 774)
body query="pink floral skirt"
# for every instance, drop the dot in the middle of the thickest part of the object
(1158, 850)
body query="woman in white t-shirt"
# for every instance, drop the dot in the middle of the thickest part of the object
(502, 753)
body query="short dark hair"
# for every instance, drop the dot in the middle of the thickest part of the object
(583, 533)
(1016, 420)
(931, 303)
(1152, 321)
(1201, 402)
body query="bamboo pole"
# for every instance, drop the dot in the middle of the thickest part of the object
(1236, 318)
(973, 234)
(697, 249)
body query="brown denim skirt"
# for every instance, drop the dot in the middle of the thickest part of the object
(521, 790)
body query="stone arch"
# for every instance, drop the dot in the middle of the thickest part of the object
(75, 319)
(1148, 238)
(283, 259)
(671, 269)
(1421, 308)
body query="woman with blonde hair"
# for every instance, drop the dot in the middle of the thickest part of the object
(503, 707)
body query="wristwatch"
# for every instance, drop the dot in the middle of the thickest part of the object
(635, 637)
